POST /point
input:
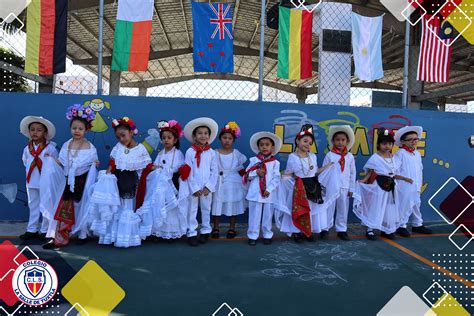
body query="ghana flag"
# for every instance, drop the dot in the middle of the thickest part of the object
(132, 35)
(46, 36)
(294, 44)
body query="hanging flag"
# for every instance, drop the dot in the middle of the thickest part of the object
(435, 53)
(46, 37)
(367, 46)
(295, 44)
(461, 18)
(401, 8)
(213, 40)
(132, 35)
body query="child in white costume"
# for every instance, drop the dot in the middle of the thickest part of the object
(339, 179)
(263, 195)
(376, 200)
(125, 177)
(39, 158)
(304, 196)
(411, 166)
(199, 177)
(229, 198)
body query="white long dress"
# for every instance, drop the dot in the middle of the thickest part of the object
(376, 208)
(76, 163)
(301, 167)
(229, 198)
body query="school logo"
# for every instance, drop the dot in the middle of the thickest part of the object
(35, 282)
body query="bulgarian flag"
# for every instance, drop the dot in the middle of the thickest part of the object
(132, 35)
(294, 44)
(46, 37)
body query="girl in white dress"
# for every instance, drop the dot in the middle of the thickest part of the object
(229, 198)
(304, 197)
(125, 177)
(376, 201)
(78, 158)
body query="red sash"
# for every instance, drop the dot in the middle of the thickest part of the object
(411, 151)
(260, 165)
(342, 153)
(300, 211)
(36, 163)
(199, 150)
(142, 186)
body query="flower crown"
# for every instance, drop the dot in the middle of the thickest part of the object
(305, 133)
(232, 128)
(125, 121)
(387, 132)
(171, 126)
(80, 111)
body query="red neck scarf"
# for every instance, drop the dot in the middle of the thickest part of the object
(199, 150)
(342, 153)
(411, 151)
(260, 165)
(36, 163)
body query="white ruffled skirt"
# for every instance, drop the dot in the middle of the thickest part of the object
(229, 198)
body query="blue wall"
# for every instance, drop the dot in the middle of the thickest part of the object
(446, 149)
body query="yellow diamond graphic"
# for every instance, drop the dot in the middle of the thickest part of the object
(447, 305)
(94, 290)
(462, 20)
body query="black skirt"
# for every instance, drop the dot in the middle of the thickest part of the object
(314, 190)
(386, 183)
(127, 182)
(79, 185)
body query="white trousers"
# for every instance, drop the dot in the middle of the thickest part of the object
(341, 208)
(34, 206)
(260, 213)
(416, 219)
(204, 202)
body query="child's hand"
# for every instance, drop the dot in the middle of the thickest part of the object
(409, 180)
(205, 191)
(197, 193)
(363, 181)
(349, 194)
(97, 163)
(109, 170)
(266, 194)
(261, 173)
(46, 155)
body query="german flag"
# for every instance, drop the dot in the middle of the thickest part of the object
(46, 36)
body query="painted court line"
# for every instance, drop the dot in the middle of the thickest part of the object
(431, 264)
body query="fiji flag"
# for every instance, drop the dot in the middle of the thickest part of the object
(213, 40)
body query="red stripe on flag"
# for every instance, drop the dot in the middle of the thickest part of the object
(140, 46)
(46, 49)
(306, 69)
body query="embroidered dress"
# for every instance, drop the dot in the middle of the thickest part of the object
(302, 168)
(374, 206)
(229, 198)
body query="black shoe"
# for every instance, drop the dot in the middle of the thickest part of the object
(42, 237)
(203, 238)
(267, 241)
(324, 234)
(388, 236)
(28, 236)
(402, 231)
(298, 238)
(371, 235)
(343, 236)
(81, 242)
(252, 242)
(193, 241)
(49, 244)
(422, 230)
(231, 233)
(215, 234)
(310, 238)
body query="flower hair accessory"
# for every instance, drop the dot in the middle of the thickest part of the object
(232, 128)
(388, 132)
(80, 111)
(125, 121)
(306, 130)
(172, 126)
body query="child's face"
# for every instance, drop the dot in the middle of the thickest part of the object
(265, 146)
(168, 139)
(37, 132)
(201, 135)
(339, 141)
(385, 147)
(304, 144)
(78, 129)
(124, 136)
(227, 140)
(410, 140)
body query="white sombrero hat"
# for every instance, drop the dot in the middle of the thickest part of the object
(257, 136)
(333, 129)
(201, 121)
(26, 122)
(407, 129)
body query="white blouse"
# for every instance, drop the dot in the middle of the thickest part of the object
(170, 161)
(231, 164)
(76, 162)
(302, 167)
(383, 166)
(131, 159)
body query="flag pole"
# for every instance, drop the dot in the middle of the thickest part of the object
(262, 43)
(406, 65)
(99, 53)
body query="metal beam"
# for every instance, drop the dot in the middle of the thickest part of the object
(162, 27)
(185, 23)
(446, 92)
(75, 42)
(77, 5)
(89, 30)
(257, 24)
(18, 71)
(236, 10)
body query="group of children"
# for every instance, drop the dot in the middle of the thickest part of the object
(136, 198)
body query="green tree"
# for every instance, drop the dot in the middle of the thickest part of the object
(11, 82)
